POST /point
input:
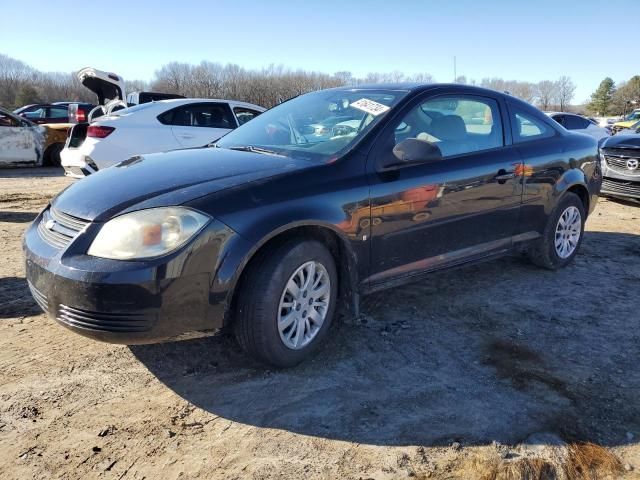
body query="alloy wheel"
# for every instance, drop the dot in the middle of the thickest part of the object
(304, 305)
(568, 232)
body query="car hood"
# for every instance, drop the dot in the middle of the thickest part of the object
(171, 178)
(622, 141)
(625, 123)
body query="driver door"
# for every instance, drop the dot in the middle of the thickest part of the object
(20, 142)
(462, 207)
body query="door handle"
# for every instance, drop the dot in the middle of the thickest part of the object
(186, 136)
(503, 176)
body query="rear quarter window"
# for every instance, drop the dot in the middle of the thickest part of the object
(527, 126)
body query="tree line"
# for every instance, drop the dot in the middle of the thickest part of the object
(21, 84)
(612, 99)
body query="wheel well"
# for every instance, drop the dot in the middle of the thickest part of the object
(345, 264)
(583, 193)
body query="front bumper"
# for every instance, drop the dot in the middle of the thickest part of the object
(128, 302)
(620, 188)
(618, 183)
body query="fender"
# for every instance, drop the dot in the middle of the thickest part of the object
(239, 252)
(583, 174)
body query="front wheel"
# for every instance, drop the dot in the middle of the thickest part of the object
(52, 155)
(562, 235)
(287, 302)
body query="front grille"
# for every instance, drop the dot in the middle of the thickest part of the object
(104, 322)
(620, 187)
(618, 163)
(39, 297)
(59, 229)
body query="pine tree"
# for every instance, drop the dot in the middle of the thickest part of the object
(602, 97)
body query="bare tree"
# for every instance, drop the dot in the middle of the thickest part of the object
(523, 90)
(565, 91)
(546, 92)
(13, 73)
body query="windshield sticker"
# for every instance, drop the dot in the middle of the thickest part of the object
(369, 106)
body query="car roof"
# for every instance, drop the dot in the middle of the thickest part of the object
(70, 103)
(186, 101)
(419, 86)
(9, 113)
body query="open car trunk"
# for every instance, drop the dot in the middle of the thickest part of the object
(107, 86)
(110, 90)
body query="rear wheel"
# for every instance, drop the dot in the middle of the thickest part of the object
(287, 302)
(562, 235)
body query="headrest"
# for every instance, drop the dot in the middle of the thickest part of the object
(449, 127)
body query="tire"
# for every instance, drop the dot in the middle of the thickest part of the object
(545, 253)
(52, 155)
(265, 290)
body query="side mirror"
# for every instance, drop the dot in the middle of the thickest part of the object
(412, 152)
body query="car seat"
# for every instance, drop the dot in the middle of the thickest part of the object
(452, 135)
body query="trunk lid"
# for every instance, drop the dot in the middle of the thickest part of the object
(107, 86)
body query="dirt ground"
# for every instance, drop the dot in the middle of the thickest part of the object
(477, 373)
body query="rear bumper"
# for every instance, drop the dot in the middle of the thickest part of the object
(127, 302)
(75, 163)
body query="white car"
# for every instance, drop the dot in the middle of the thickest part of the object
(149, 128)
(21, 141)
(579, 124)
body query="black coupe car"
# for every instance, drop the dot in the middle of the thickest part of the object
(278, 224)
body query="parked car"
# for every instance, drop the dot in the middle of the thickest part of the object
(148, 128)
(58, 112)
(631, 130)
(580, 124)
(137, 98)
(263, 232)
(628, 121)
(621, 166)
(110, 90)
(23, 142)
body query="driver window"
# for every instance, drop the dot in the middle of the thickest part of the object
(456, 125)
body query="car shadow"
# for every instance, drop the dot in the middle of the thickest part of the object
(15, 299)
(17, 217)
(629, 202)
(31, 172)
(492, 352)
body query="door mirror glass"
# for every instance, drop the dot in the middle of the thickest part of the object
(413, 151)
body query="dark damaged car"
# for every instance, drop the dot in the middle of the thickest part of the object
(280, 223)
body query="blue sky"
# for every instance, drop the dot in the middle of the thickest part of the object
(519, 40)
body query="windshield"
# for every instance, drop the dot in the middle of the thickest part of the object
(633, 116)
(316, 126)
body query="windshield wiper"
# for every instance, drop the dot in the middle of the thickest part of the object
(251, 148)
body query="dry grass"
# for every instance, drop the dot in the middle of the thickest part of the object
(587, 461)
(582, 461)
(521, 469)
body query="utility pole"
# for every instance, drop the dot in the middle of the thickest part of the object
(455, 75)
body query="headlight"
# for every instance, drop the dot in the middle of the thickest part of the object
(147, 233)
